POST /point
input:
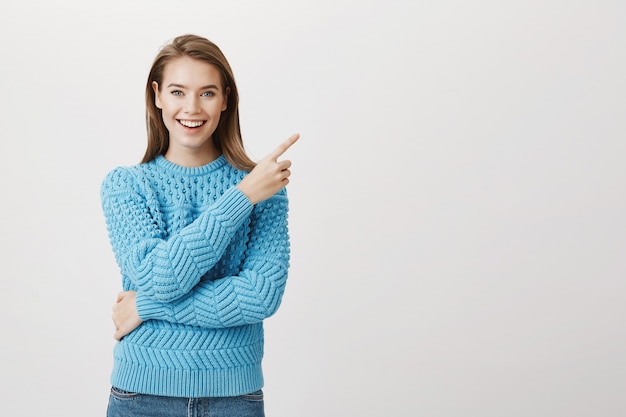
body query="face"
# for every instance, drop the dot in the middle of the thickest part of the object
(192, 100)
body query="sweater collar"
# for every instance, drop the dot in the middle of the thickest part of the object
(201, 170)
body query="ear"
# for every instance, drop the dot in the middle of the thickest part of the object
(226, 93)
(157, 95)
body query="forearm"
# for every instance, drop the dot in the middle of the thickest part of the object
(166, 266)
(251, 295)
(231, 301)
(172, 267)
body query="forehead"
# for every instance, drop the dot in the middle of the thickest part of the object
(191, 72)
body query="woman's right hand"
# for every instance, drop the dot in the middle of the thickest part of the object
(270, 175)
(125, 315)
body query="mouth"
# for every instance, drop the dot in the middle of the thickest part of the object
(192, 124)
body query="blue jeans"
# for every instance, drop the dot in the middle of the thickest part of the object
(131, 404)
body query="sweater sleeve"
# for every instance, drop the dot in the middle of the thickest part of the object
(251, 296)
(165, 268)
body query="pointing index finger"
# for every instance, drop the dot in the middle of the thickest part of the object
(282, 148)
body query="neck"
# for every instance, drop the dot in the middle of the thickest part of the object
(192, 158)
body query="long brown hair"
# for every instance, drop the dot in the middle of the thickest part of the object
(227, 135)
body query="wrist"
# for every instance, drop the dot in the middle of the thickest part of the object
(247, 193)
(148, 308)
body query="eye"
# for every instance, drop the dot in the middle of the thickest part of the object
(208, 94)
(176, 92)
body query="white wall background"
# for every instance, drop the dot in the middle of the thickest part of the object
(458, 207)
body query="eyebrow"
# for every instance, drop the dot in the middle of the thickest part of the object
(206, 87)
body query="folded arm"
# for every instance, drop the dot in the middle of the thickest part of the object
(254, 294)
(165, 268)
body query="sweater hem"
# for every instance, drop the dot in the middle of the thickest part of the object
(227, 382)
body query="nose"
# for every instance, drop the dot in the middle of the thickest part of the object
(192, 104)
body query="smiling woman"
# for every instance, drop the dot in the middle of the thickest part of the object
(192, 71)
(202, 244)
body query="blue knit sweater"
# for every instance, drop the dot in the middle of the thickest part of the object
(208, 267)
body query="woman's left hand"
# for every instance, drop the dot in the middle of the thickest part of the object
(125, 316)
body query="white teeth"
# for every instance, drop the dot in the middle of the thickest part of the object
(191, 123)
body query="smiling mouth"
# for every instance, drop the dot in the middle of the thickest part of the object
(191, 123)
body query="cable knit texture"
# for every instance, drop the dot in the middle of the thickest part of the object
(208, 267)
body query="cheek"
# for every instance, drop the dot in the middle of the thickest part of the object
(167, 109)
(167, 116)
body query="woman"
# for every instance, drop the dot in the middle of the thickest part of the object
(200, 234)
